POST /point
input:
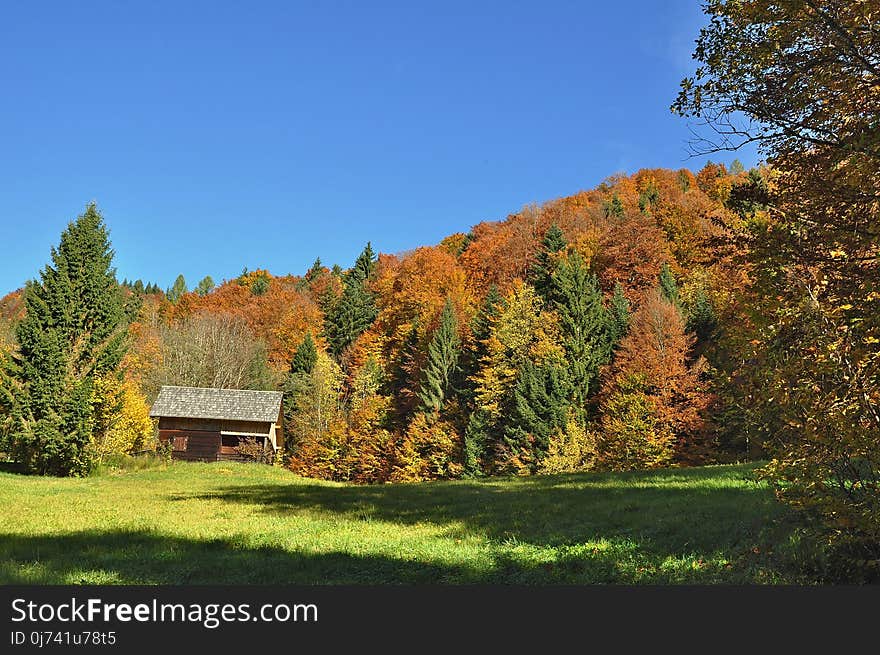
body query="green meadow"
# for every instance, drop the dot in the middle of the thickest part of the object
(238, 523)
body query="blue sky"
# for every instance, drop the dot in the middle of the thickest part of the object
(217, 135)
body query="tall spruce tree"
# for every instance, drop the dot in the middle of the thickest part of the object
(442, 368)
(315, 271)
(541, 273)
(476, 437)
(481, 327)
(177, 289)
(364, 266)
(538, 406)
(404, 381)
(613, 208)
(584, 323)
(305, 357)
(356, 308)
(668, 285)
(73, 330)
(701, 319)
(618, 315)
(205, 286)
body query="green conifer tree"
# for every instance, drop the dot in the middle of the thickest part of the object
(441, 368)
(364, 266)
(701, 319)
(177, 289)
(618, 315)
(315, 271)
(73, 330)
(668, 285)
(305, 357)
(541, 273)
(584, 323)
(260, 285)
(613, 208)
(205, 286)
(476, 437)
(481, 326)
(539, 405)
(356, 309)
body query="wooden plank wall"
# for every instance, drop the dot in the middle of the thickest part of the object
(213, 425)
(201, 445)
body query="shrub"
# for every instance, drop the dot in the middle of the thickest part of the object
(633, 437)
(430, 450)
(570, 450)
(122, 419)
(255, 451)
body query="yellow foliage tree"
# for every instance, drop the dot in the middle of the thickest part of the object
(122, 419)
(430, 449)
(523, 331)
(570, 450)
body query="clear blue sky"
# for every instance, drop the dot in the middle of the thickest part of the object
(219, 135)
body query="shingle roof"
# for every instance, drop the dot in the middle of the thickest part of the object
(229, 404)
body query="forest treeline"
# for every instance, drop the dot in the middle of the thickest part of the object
(662, 318)
(582, 334)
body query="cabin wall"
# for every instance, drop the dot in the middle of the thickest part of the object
(192, 445)
(200, 440)
(213, 425)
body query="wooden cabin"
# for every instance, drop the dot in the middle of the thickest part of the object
(207, 425)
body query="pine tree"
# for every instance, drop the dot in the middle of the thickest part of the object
(668, 285)
(584, 323)
(356, 309)
(618, 314)
(541, 273)
(442, 366)
(476, 437)
(305, 357)
(353, 313)
(205, 286)
(315, 271)
(364, 266)
(73, 330)
(260, 285)
(479, 424)
(404, 382)
(613, 208)
(177, 289)
(481, 327)
(702, 319)
(684, 181)
(539, 406)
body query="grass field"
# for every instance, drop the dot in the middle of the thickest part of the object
(237, 523)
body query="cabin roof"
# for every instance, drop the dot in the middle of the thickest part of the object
(228, 404)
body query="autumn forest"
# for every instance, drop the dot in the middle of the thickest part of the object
(666, 318)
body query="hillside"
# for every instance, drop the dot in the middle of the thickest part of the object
(591, 332)
(234, 523)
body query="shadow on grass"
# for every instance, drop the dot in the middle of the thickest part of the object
(12, 467)
(666, 513)
(131, 557)
(665, 527)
